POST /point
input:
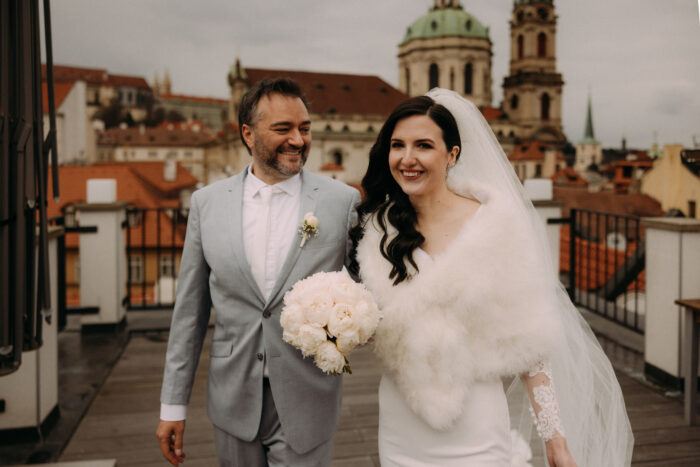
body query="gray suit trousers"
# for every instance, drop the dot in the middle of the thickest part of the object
(269, 448)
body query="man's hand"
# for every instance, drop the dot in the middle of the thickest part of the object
(169, 436)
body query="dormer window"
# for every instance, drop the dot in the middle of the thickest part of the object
(468, 25)
(434, 25)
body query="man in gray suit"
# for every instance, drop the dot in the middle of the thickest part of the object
(243, 251)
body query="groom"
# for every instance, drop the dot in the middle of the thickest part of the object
(268, 405)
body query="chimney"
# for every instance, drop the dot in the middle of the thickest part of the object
(170, 169)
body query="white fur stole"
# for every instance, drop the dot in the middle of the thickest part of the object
(477, 311)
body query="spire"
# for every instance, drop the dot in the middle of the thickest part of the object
(441, 4)
(166, 83)
(156, 85)
(588, 135)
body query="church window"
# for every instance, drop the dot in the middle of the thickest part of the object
(452, 78)
(468, 25)
(521, 40)
(545, 106)
(408, 81)
(433, 76)
(346, 128)
(434, 25)
(543, 13)
(691, 209)
(338, 157)
(328, 127)
(468, 78)
(370, 129)
(514, 102)
(541, 45)
(538, 170)
(520, 16)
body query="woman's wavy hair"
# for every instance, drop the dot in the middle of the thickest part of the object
(384, 196)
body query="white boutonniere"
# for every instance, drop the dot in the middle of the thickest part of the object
(308, 228)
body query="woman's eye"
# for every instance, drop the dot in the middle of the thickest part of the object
(396, 144)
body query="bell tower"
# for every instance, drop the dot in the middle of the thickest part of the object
(533, 90)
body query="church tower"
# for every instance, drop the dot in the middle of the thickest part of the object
(238, 82)
(449, 48)
(532, 91)
(588, 150)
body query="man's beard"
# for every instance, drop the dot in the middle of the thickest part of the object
(270, 157)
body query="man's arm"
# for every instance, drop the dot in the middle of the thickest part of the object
(187, 331)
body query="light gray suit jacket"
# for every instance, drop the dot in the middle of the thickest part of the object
(214, 272)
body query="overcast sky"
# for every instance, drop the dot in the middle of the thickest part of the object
(639, 58)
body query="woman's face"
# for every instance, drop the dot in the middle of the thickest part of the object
(418, 156)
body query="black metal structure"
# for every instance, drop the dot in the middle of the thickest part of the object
(24, 161)
(152, 234)
(603, 276)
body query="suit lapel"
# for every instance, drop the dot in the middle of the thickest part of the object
(307, 203)
(235, 194)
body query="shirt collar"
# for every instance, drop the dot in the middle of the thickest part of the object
(290, 186)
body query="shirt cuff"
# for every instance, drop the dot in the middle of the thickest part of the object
(173, 412)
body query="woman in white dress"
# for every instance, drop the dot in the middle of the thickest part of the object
(457, 259)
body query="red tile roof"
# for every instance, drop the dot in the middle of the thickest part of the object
(138, 183)
(98, 76)
(150, 137)
(569, 177)
(598, 262)
(131, 81)
(607, 201)
(491, 113)
(339, 93)
(74, 73)
(60, 91)
(530, 151)
(182, 97)
(331, 166)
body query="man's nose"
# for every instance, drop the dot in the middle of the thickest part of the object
(295, 138)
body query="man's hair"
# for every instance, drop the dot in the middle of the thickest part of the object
(248, 110)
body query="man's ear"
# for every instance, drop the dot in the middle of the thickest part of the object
(248, 135)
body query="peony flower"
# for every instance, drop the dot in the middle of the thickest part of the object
(310, 338)
(329, 359)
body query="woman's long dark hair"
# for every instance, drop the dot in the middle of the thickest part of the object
(385, 197)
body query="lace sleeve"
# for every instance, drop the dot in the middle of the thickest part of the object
(543, 400)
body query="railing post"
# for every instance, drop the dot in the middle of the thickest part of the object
(672, 273)
(572, 254)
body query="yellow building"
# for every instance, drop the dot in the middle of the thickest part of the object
(674, 180)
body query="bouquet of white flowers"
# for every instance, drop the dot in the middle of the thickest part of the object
(326, 316)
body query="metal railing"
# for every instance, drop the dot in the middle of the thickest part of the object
(606, 266)
(154, 239)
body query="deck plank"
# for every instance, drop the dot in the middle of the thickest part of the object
(121, 421)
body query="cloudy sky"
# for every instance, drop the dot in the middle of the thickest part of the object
(640, 59)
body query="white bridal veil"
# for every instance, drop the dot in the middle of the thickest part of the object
(592, 409)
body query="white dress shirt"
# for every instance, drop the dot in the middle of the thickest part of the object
(284, 222)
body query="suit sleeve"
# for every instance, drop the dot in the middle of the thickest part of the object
(190, 316)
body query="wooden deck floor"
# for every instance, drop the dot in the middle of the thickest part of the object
(122, 420)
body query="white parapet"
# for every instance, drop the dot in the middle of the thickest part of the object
(672, 272)
(102, 262)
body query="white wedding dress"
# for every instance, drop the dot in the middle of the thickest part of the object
(481, 437)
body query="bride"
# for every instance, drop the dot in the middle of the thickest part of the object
(456, 257)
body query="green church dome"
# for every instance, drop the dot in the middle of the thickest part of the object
(445, 22)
